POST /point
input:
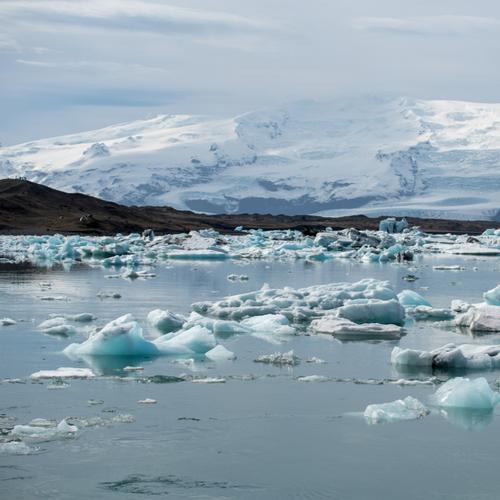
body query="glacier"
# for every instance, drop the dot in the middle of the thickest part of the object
(376, 156)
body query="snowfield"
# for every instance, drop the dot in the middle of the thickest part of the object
(371, 156)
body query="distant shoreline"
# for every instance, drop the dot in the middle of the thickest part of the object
(30, 208)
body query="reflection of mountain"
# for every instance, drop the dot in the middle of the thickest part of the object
(424, 158)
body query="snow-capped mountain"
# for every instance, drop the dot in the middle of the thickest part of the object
(371, 156)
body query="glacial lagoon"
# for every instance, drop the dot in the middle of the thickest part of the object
(182, 426)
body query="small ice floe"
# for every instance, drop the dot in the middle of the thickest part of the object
(347, 330)
(53, 297)
(147, 401)
(132, 274)
(279, 358)
(480, 318)
(449, 357)
(313, 378)
(410, 298)
(461, 392)
(57, 326)
(448, 268)
(7, 322)
(209, 380)
(133, 369)
(316, 360)
(17, 448)
(421, 313)
(373, 311)
(492, 297)
(220, 353)
(40, 433)
(165, 321)
(63, 372)
(237, 277)
(109, 295)
(412, 382)
(402, 409)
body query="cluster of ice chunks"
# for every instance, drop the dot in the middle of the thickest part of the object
(147, 249)
(391, 225)
(449, 357)
(457, 394)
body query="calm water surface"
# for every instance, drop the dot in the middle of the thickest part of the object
(262, 434)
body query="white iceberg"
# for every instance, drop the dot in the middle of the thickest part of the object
(480, 318)
(196, 340)
(63, 372)
(347, 330)
(402, 409)
(373, 311)
(449, 357)
(7, 321)
(165, 321)
(409, 298)
(279, 358)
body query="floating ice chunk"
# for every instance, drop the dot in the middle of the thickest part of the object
(63, 372)
(373, 311)
(57, 326)
(197, 255)
(78, 318)
(220, 353)
(411, 357)
(209, 380)
(409, 298)
(313, 378)
(195, 340)
(410, 382)
(109, 295)
(450, 357)
(391, 225)
(492, 297)
(277, 324)
(461, 392)
(7, 321)
(279, 358)
(120, 337)
(346, 329)
(133, 369)
(480, 318)
(165, 321)
(430, 313)
(316, 360)
(43, 433)
(402, 409)
(448, 268)
(459, 306)
(237, 277)
(147, 401)
(17, 448)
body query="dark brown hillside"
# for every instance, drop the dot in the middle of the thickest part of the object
(30, 208)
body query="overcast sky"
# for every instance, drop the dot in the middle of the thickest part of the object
(70, 65)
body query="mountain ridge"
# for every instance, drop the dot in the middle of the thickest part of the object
(438, 159)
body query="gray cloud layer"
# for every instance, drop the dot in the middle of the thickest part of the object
(68, 65)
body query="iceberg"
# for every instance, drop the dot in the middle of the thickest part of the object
(461, 392)
(41, 433)
(409, 298)
(7, 322)
(402, 409)
(347, 330)
(480, 318)
(372, 311)
(220, 353)
(63, 372)
(165, 321)
(492, 297)
(120, 337)
(196, 340)
(449, 357)
(279, 358)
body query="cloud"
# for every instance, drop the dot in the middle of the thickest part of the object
(146, 15)
(8, 44)
(428, 25)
